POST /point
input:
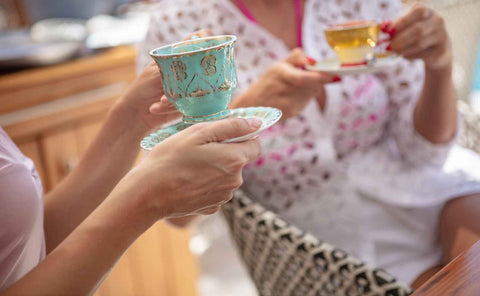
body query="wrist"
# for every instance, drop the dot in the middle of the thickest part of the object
(141, 199)
(443, 64)
(125, 115)
(439, 74)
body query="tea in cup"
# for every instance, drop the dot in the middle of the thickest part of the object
(353, 42)
(199, 76)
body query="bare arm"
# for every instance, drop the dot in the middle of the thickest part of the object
(421, 34)
(107, 160)
(79, 263)
(435, 115)
(147, 193)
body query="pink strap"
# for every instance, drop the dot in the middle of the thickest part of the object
(299, 21)
(246, 11)
(298, 17)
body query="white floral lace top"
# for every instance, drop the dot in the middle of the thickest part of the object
(387, 185)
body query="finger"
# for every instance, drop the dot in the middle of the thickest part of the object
(412, 35)
(221, 130)
(421, 46)
(210, 211)
(417, 13)
(164, 106)
(212, 200)
(298, 58)
(215, 207)
(302, 78)
(249, 150)
(385, 26)
(421, 55)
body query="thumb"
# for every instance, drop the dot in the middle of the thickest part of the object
(225, 129)
(299, 58)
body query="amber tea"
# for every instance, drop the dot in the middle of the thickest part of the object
(354, 41)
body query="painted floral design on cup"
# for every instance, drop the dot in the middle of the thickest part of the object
(208, 64)
(199, 92)
(179, 68)
(199, 76)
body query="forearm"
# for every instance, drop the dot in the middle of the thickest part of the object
(435, 115)
(107, 160)
(79, 264)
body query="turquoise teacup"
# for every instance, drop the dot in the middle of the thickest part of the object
(199, 76)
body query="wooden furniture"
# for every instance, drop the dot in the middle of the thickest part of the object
(460, 277)
(52, 114)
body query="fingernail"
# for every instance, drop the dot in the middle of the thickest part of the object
(392, 32)
(389, 48)
(254, 122)
(311, 61)
(385, 26)
(337, 79)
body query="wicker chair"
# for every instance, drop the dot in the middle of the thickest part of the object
(283, 260)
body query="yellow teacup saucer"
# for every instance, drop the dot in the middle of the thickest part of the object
(334, 66)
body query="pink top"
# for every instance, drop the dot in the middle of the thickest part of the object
(22, 240)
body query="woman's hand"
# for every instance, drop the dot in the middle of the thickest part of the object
(286, 86)
(144, 102)
(421, 34)
(193, 172)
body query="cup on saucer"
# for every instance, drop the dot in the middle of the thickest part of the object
(199, 78)
(359, 49)
(354, 42)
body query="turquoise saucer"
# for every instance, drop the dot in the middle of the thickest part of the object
(268, 115)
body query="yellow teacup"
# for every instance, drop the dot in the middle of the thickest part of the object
(353, 42)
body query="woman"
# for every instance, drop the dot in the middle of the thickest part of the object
(67, 245)
(359, 162)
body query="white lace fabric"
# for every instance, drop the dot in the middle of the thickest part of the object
(385, 166)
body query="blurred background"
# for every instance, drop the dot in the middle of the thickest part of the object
(63, 63)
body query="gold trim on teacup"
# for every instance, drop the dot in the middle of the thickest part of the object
(205, 116)
(352, 25)
(229, 40)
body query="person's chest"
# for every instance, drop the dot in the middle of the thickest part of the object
(21, 194)
(357, 109)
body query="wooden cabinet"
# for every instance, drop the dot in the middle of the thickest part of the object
(53, 114)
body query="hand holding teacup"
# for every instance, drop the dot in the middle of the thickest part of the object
(145, 98)
(421, 34)
(198, 76)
